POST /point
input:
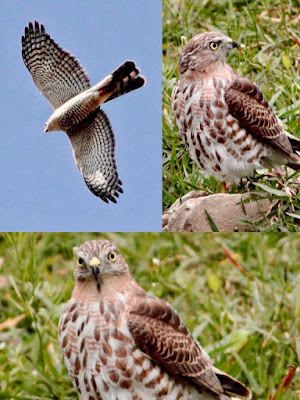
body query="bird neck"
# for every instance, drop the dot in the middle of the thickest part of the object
(219, 69)
(89, 291)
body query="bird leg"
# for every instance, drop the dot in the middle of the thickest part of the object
(225, 187)
(287, 190)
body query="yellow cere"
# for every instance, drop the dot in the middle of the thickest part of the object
(94, 262)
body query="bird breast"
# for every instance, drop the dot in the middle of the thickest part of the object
(93, 336)
(74, 111)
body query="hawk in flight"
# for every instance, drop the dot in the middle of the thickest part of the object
(119, 343)
(223, 118)
(61, 79)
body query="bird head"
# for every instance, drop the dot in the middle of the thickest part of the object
(205, 49)
(46, 127)
(52, 123)
(99, 260)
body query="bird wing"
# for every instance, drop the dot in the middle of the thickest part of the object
(159, 332)
(247, 104)
(56, 73)
(93, 145)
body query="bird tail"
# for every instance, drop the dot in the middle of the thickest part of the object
(125, 79)
(232, 386)
(295, 143)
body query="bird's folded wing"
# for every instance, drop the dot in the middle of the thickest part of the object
(56, 73)
(93, 145)
(159, 332)
(248, 105)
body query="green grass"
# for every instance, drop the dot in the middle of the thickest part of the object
(246, 316)
(269, 56)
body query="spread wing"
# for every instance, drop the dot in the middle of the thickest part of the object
(159, 332)
(56, 73)
(93, 144)
(248, 105)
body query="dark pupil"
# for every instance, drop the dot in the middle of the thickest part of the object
(80, 261)
(112, 256)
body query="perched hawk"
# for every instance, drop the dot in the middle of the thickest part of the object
(119, 343)
(223, 118)
(63, 81)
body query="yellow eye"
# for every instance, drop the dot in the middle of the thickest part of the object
(112, 256)
(80, 262)
(214, 45)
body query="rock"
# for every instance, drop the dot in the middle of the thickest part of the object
(187, 214)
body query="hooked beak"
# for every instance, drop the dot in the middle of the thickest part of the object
(94, 264)
(230, 44)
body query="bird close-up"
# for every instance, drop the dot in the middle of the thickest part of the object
(223, 118)
(62, 80)
(112, 333)
(120, 343)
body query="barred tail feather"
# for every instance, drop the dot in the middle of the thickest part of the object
(125, 79)
(232, 386)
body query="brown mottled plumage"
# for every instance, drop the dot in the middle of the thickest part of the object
(119, 343)
(62, 80)
(224, 119)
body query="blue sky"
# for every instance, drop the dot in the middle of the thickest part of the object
(41, 188)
